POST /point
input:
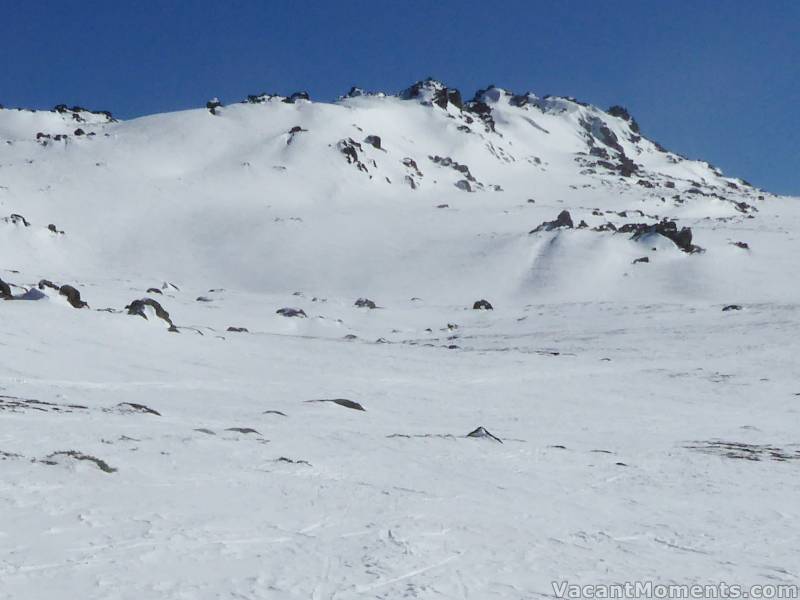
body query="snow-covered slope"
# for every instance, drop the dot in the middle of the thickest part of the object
(621, 390)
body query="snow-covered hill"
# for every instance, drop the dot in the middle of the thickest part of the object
(147, 455)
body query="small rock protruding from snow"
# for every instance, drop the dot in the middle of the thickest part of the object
(482, 432)
(16, 219)
(374, 141)
(731, 307)
(292, 312)
(564, 220)
(5, 290)
(212, 105)
(365, 303)
(72, 295)
(147, 307)
(482, 305)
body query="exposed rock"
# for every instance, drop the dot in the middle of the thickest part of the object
(46, 283)
(643, 259)
(212, 105)
(365, 303)
(297, 96)
(133, 407)
(742, 245)
(54, 229)
(622, 113)
(682, 237)
(463, 185)
(238, 329)
(482, 305)
(153, 290)
(341, 402)
(564, 219)
(144, 305)
(373, 140)
(52, 459)
(72, 295)
(16, 219)
(482, 432)
(731, 307)
(351, 149)
(292, 312)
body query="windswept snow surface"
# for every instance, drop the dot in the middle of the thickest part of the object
(645, 433)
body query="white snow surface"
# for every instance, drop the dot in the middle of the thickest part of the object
(646, 433)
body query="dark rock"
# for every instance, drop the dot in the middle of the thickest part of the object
(341, 402)
(292, 312)
(79, 132)
(731, 307)
(153, 290)
(238, 329)
(5, 290)
(582, 224)
(482, 305)
(138, 307)
(54, 229)
(365, 303)
(682, 237)
(622, 113)
(17, 220)
(244, 430)
(463, 185)
(564, 219)
(373, 140)
(212, 105)
(742, 245)
(643, 259)
(101, 464)
(43, 283)
(140, 408)
(351, 149)
(297, 96)
(203, 299)
(297, 129)
(482, 432)
(73, 296)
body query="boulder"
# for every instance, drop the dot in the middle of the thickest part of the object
(73, 296)
(482, 305)
(564, 220)
(145, 306)
(292, 312)
(365, 303)
(373, 140)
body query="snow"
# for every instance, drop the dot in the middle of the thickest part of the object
(610, 384)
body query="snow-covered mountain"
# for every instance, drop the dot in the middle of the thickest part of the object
(182, 288)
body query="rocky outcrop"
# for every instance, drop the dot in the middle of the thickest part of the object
(147, 306)
(564, 220)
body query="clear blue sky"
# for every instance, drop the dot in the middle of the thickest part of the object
(718, 80)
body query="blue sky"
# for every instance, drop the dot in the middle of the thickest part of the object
(712, 80)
